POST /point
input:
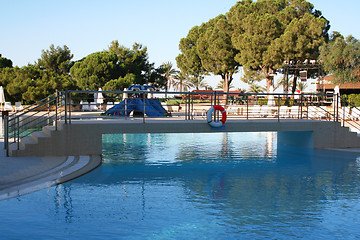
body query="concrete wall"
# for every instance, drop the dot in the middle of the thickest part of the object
(84, 137)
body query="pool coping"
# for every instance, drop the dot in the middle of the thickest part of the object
(24, 175)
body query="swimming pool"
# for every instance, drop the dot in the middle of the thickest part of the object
(197, 186)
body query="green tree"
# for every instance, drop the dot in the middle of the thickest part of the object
(198, 82)
(249, 76)
(182, 82)
(216, 51)
(95, 70)
(341, 57)
(134, 60)
(301, 86)
(157, 78)
(255, 88)
(169, 73)
(4, 62)
(31, 84)
(56, 60)
(189, 60)
(268, 32)
(243, 90)
(221, 85)
(120, 83)
(284, 83)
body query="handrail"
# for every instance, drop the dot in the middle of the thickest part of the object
(60, 105)
(31, 118)
(353, 124)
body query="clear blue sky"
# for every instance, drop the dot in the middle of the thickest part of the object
(88, 26)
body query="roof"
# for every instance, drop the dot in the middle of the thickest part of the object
(212, 91)
(328, 84)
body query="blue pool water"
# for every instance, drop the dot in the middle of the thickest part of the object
(197, 186)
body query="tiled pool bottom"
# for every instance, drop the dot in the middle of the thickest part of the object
(197, 186)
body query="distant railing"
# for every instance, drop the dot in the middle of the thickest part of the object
(69, 105)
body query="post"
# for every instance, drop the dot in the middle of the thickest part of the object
(18, 133)
(6, 134)
(144, 107)
(189, 110)
(247, 107)
(192, 107)
(66, 96)
(335, 108)
(185, 105)
(69, 107)
(126, 102)
(215, 103)
(56, 109)
(279, 108)
(301, 105)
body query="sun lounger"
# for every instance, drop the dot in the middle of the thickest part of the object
(344, 113)
(93, 106)
(315, 112)
(322, 112)
(231, 110)
(312, 112)
(109, 105)
(18, 106)
(254, 111)
(85, 106)
(294, 112)
(284, 113)
(264, 112)
(8, 107)
(355, 114)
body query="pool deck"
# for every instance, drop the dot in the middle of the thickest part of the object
(23, 175)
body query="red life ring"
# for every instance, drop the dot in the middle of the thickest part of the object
(209, 116)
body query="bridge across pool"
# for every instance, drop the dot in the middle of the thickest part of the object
(84, 137)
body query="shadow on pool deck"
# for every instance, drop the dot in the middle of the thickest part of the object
(23, 175)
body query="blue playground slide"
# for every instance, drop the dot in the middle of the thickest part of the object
(153, 108)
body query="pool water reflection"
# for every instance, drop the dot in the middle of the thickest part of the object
(198, 186)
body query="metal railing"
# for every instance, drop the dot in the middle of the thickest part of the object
(70, 105)
(21, 124)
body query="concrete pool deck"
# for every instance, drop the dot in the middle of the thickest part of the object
(23, 175)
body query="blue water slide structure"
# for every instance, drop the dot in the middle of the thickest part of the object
(153, 108)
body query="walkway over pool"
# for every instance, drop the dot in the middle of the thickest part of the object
(84, 137)
(311, 120)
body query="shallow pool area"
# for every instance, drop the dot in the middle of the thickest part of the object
(197, 186)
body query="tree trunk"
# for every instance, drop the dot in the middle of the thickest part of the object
(268, 72)
(294, 82)
(227, 79)
(269, 83)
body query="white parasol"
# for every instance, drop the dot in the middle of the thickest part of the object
(125, 95)
(336, 93)
(271, 99)
(2, 96)
(99, 97)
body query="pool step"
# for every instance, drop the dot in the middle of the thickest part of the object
(28, 145)
(351, 139)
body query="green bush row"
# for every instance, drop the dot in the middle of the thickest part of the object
(173, 102)
(352, 98)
